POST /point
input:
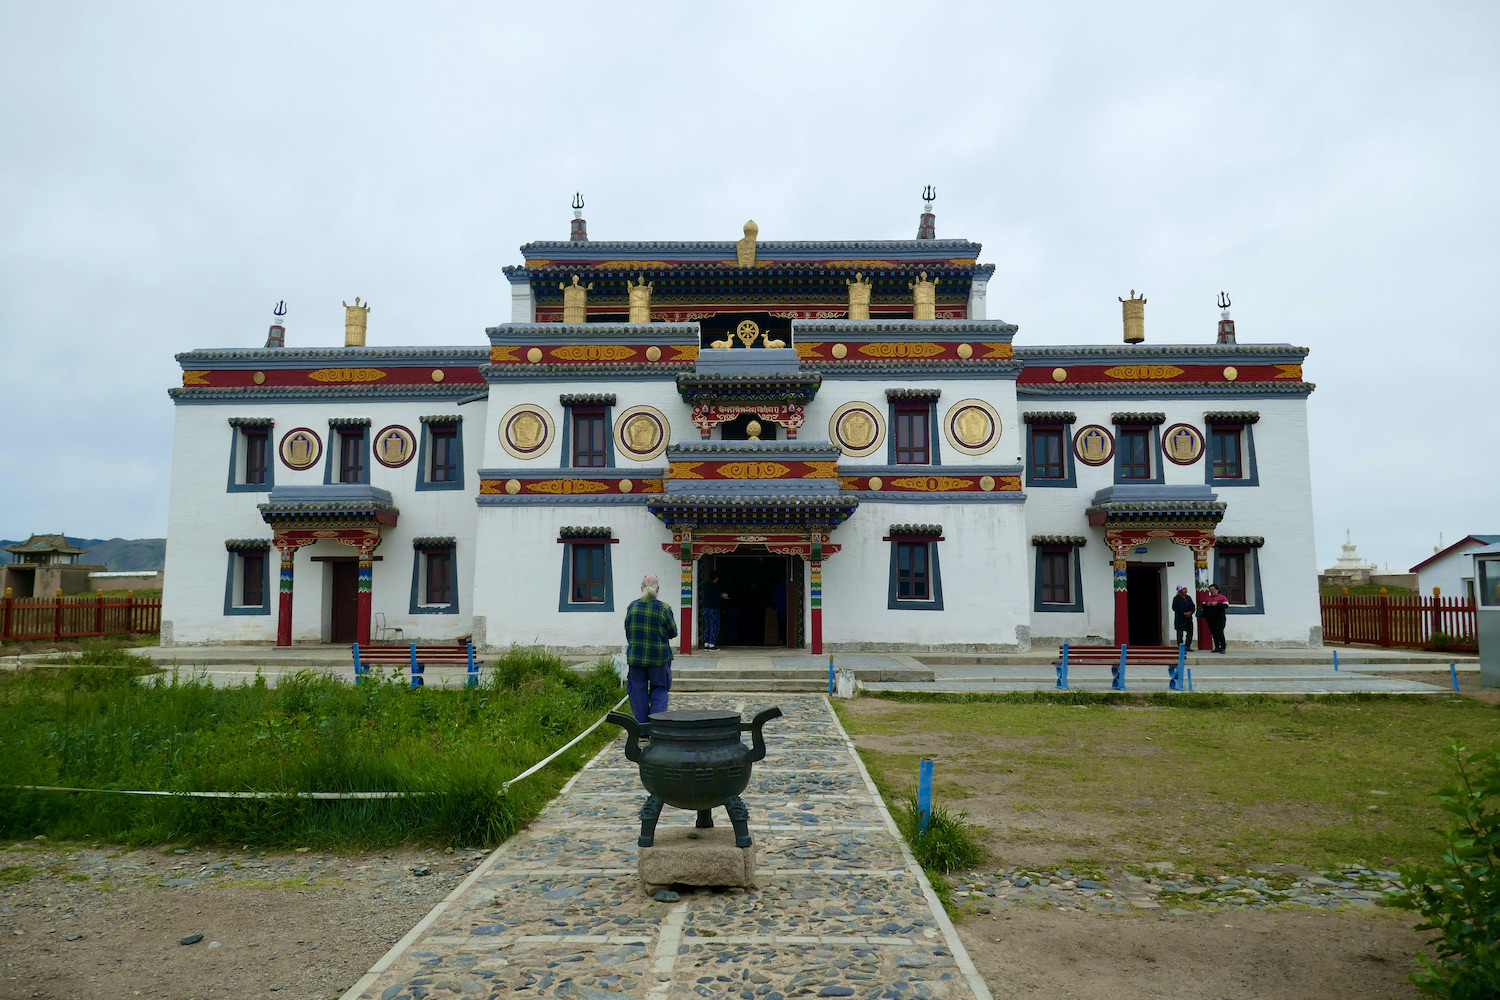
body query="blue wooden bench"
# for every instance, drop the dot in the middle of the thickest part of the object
(417, 659)
(1119, 658)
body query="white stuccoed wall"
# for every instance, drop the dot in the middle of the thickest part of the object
(203, 515)
(1453, 573)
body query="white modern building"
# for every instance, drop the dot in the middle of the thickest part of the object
(836, 431)
(1450, 570)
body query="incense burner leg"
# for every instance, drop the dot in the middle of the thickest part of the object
(739, 818)
(650, 813)
(705, 819)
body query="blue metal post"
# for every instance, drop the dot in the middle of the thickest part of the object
(1453, 673)
(1335, 660)
(359, 668)
(1062, 670)
(1119, 671)
(830, 673)
(1190, 679)
(417, 669)
(473, 678)
(1181, 666)
(924, 794)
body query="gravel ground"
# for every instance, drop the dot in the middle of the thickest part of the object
(87, 921)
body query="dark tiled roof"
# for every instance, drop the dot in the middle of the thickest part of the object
(1231, 417)
(1249, 541)
(585, 532)
(587, 399)
(751, 449)
(46, 543)
(434, 542)
(251, 421)
(348, 421)
(443, 418)
(916, 529)
(1050, 417)
(1114, 390)
(1138, 418)
(1075, 540)
(913, 393)
(247, 544)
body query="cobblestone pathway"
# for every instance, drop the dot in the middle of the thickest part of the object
(842, 909)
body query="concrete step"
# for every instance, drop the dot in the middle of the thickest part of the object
(727, 684)
(1392, 661)
(812, 675)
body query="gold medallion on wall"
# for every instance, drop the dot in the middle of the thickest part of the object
(642, 433)
(300, 448)
(395, 446)
(1182, 444)
(972, 427)
(526, 431)
(857, 428)
(1093, 445)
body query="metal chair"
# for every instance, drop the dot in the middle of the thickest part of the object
(381, 630)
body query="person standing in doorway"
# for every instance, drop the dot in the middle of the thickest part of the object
(1214, 610)
(649, 631)
(711, 597)
(1182, 616)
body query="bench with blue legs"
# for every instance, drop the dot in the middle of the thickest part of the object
(417, 659)
(1119, 658)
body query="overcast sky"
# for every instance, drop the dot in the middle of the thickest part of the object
(168, 172)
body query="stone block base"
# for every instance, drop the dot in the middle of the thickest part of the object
(688, 856)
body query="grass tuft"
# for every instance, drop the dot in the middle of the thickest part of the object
(948, 844)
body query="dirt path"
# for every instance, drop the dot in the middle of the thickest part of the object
(77, 921)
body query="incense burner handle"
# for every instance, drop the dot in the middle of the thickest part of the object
(754, 726)
(634, 731)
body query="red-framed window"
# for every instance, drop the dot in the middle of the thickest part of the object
(439, 576)
(1052, 572)
(257, 455)
(1047, 458)
(588, 574)
(912, 434)
(1224, 452)
(913, 573)
(1231, 576)
(352, 455)
(589, 450)
(1134, 449)
(252, 576)
(444, 468)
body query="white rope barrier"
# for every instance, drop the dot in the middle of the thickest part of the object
(317, 795)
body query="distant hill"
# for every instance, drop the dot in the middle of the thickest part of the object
(119, 554)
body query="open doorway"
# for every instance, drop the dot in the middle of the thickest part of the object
(760, 596)
(344, 600)
(1143, 604)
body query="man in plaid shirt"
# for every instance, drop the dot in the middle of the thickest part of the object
(649, 631)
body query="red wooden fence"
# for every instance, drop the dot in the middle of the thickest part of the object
(77, 617)
(1401, 621)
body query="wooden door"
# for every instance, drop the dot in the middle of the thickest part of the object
(345, 624)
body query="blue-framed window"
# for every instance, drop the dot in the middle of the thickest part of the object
(440, 454)
(587, 439)
(911, 431)
(916, 581)
(251, 468)
(1049, 455)
(1059, 571)
(1231, 454)
(587, 574)
(348, 452)
(247, 582)
(1138, 452)
(434, 577)
(1237, 574)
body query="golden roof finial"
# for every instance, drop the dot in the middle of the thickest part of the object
(745, 248)
(356, 319)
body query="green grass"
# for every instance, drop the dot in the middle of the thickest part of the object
(107, 720)
(1234, 780)
(16, 874)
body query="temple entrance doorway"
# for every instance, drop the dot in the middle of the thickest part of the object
(344, 600)
(1143, 601)
(760, 597)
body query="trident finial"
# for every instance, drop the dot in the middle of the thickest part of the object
(280, 309)
(577, 202)
(929, 193)
(1223, 301)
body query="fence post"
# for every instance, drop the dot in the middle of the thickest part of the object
(130, 615)
(99, 611)
(5, 621)
(1344, 600)
(924, 794)
(57, 616)
(1385, 619)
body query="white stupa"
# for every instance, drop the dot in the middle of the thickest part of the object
(1350, 565)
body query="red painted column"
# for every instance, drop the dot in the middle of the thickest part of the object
(815, 598)
(362, 621)
(1200, 580)
(284, 604)
(1122, 596)
(685, 631)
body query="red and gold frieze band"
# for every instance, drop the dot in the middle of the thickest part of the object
(933, 484)
(706, 416)
(592, 354)
(567, 486)
(238, 378)
(782, 544)
(842, 263)
(904, 350)
(758, 469)
(1071, 374)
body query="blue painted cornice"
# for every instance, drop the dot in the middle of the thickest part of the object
(314, 394)
(304, 357)
(1261, 354)
(574, 333)
(861, 330)
(713, 251)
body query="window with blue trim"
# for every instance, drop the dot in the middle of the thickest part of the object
(1058, 586)
(247, 582)
(587, 571)
(1231, 449)
(440, 455)
(587, 441)
(1237, 574)
(1133, 452)
(348, 459)
(916, 579)
(434, 577)
(250, 467)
